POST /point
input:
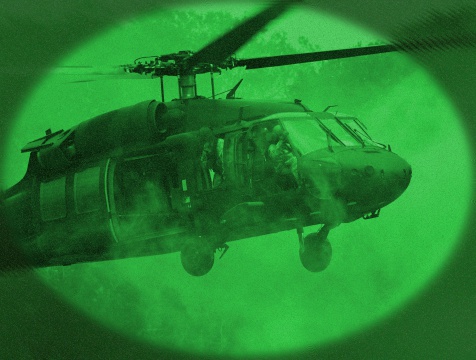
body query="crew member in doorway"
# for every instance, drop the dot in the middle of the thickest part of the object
(212, 155)
(280, 153)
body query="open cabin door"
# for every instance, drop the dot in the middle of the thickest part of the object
(145, 196)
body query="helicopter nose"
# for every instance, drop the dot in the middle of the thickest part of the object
(372, 178)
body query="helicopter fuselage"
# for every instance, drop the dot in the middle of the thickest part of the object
(146, 179)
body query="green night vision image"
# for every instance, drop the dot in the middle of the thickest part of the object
(217, 197)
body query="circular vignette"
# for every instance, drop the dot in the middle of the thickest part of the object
(352, 346)
(385, 292)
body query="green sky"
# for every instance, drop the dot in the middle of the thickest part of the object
(258, 298)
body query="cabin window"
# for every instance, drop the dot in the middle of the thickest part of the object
(141, 186)
(53, 199)
(86, 190)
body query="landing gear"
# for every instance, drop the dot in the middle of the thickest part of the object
(315, 250)
(197, 256)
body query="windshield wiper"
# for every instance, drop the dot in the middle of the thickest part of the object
(370, 139)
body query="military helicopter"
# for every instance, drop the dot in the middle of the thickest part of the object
(192, 174)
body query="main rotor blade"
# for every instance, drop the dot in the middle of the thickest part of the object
(280, 60)
(412, 45)
(99, 73)
(90, 70)
(220, 49)
(110, 77)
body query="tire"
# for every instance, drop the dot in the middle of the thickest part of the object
(197, 256)
(316, 253)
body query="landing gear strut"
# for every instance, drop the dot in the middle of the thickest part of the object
(315, 250)
(197, 256)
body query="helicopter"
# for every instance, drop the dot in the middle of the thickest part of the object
(193, 174)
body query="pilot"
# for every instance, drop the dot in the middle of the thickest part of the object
(280, 153)
(212, 155)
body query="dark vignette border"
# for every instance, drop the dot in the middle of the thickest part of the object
(35, 324)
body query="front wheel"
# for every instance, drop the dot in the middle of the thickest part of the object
(315, 253)
(197, 256)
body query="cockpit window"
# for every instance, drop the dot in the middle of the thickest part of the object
(305, 134)
(308, 133)
(340, 132)
(358, 128)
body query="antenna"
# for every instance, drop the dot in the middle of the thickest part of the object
(330, 106)
(212, 80)
(231, 93)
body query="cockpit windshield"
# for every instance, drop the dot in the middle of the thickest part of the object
(359, 129)
(309, 134)
(340, 132)
(305, 134)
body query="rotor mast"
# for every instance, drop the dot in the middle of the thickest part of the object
(187, 86)
(214, 57)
